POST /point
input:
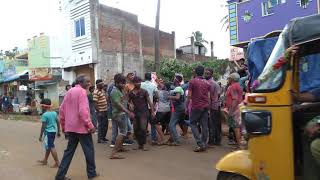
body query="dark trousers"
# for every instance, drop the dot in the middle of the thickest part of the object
(103, 125)
(140, 124)
(231, 135)
(88, 149)
(200, 116)
(214, 127)
(164, 118)
(94, 117)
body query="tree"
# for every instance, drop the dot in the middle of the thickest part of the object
(199, 41)
(157, 39)
(171, 66)
(7, 53)
(15, 50)
(225, 22)
(198, 37)
(11, 54)
(225, 19)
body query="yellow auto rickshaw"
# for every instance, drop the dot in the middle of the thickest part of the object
(278, 149)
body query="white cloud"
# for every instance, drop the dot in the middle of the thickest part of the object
(24, 19)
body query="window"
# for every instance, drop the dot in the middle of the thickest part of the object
(304, 3)
(266, 8)
(269, 4)
(270, 78)
(79, 27)
(272, 3)
(282, 1)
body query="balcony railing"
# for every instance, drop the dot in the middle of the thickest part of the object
(21, 62)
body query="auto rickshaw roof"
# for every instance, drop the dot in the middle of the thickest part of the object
(305, 32)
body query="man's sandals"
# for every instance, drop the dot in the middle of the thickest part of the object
(42, 162)
(141, 148)
(116, 157)
(199, 149)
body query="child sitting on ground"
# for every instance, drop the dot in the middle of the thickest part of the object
(50, 127)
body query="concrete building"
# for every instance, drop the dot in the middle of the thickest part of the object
(13, 73)
(101, 41)
(251, 19)
(44, 66)
(199, 49)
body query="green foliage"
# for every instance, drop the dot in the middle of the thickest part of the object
(169, 67)
(305, 2)
(149, 65)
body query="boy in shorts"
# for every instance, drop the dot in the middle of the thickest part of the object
(50, 127)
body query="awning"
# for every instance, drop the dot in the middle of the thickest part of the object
(45, 83)
(23, 76)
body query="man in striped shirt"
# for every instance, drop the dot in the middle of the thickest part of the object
(101, 106)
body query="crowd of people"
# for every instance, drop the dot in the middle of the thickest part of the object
(140, 108)
(10, 103)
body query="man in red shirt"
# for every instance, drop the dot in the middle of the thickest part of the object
(199, 95)
(232, 102)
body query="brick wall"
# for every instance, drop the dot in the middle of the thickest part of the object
(112, 22)
(167, 48)
(138, 42)
(188, 57)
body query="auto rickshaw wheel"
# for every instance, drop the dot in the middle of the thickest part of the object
(230, 176)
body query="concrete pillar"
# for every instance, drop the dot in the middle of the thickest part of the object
(212, 51)
(174, 44)
(141, 58)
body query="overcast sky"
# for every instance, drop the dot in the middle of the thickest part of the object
(23, 19)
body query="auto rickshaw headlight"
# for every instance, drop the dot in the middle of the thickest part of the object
(257, 99)
(257, 122)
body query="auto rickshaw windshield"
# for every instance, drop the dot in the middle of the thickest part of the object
(271, 78)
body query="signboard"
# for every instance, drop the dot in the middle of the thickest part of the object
(236, 54)
(45, 74)
(40, 74)
(23, 88)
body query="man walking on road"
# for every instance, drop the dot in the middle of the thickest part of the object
(214, 119)
(199, 94)
(75, 120)
(101, 105)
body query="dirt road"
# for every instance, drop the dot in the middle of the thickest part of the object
(20, 149)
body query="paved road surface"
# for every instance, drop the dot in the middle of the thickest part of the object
(20, 149)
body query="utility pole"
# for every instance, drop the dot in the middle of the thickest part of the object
(123, 45)
(192, 49)
(157, 39)
(211, 47)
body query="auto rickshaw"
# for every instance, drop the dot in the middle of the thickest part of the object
(277, 147)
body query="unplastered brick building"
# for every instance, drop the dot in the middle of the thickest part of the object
(101, 41)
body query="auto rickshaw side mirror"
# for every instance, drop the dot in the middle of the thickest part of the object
(257, 122)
